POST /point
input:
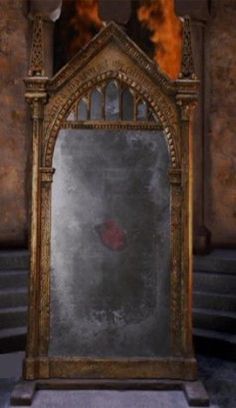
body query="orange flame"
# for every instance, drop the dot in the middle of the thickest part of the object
(166, 28)
(85, 23)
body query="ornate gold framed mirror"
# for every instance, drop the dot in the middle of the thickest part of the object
(110, 281)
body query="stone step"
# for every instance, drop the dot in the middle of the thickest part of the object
(214, 283)
(13, 317)
(215, 320)
(220, 260)
(214, 343)
(13, 279)
(13, 339)
(13, 297)
(206, 300)
(14, 260)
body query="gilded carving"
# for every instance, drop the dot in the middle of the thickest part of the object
(159, 103)
(45, 262)
(110, 125)
(169, 101)
(111, 33)
(37, 51)
(91, 67)
(176, 198)
(187, 66)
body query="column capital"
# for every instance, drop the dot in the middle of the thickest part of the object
(50, 9)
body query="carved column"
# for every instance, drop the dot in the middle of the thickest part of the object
(46, 178)
(186, 105)
(176, 239)
(36, 96)
(186, 100)
(49, 12)
(199, 16)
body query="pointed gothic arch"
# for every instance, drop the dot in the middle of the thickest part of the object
(126, 63)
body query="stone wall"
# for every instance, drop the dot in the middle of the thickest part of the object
(221, 155)
(14, 147)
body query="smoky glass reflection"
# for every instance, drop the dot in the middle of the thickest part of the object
(82, 110)
(110, 244)
(127, 105)
(142, 111)
(96, 105)
(72, 116)
(112, 106)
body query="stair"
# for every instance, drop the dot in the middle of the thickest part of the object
(14, 266)
(217, 320)
(214, 303)
(214, 343)
(14, 260)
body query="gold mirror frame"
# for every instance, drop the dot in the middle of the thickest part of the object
(110, 55)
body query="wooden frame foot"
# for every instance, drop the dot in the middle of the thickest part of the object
(23, 393)
(196, 394)
(194, 391)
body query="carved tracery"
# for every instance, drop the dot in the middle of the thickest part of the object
(111, 101)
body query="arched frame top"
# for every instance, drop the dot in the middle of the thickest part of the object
(170, 131)
(101, 62)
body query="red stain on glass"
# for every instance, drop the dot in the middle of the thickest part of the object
(112, 235)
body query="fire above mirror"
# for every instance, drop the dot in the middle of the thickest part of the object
(153, 25)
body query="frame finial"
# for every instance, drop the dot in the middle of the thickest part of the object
(36, 67)
(187, 65)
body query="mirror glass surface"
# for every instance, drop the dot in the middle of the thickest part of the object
(142, 111)
(110, 244)
(112, 105)
(127, 105)
(96, 105)
(82, 110)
